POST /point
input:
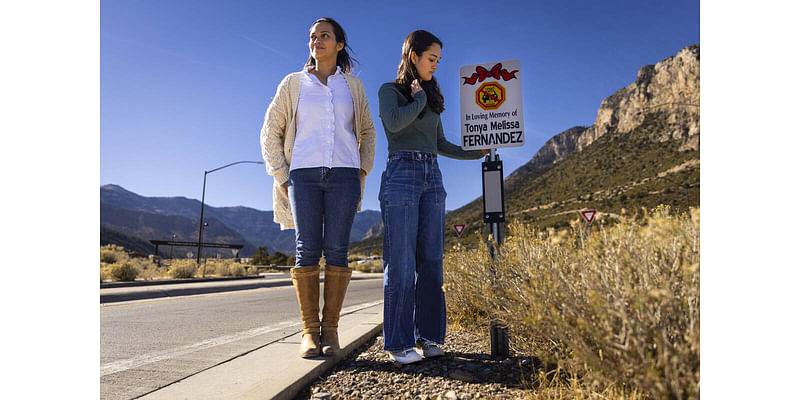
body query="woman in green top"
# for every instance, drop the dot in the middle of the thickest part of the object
(412, 201)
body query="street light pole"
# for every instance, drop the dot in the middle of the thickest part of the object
(202, 206)
(203, 202)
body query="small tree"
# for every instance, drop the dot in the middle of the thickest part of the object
(279, 258)
(261, 257)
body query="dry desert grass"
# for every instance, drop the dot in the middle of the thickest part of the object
(616, 314)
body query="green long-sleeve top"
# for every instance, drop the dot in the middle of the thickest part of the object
(406, 132)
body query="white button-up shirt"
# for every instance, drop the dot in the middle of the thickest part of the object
(325, 135)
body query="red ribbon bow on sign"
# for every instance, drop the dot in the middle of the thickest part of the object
(497, 72)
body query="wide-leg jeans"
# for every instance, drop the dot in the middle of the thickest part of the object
(412, 201)
(324, 202)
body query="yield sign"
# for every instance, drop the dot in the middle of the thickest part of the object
(588, 215)
(459, 229)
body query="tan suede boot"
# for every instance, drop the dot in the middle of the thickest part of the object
(336, 281)
(306, 284)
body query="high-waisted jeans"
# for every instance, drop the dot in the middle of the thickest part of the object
(324, 202)
(412, 207)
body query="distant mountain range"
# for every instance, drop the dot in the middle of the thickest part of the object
(642, 150)
(131, 220)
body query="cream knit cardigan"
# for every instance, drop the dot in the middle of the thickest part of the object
(278, 134)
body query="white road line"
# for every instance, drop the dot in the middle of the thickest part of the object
(156, 356)
(359, 307)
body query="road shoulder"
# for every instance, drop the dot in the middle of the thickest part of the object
(274, 371)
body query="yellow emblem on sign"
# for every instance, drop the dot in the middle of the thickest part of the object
(490, 96)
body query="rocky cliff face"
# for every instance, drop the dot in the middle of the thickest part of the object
(558, 146)
(671, 86)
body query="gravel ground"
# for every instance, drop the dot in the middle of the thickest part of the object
(466, 371)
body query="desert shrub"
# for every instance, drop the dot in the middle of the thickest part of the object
(236, 270)
(220, 268)
(224, 270)
(148, 269)
(617, 308)
(124, 271)
(213, 268)
(183, 269)
(112, 253)
(369, 266)
(224, 267)
(109, 257)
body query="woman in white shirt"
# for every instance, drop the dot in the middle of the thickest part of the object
(318, 141)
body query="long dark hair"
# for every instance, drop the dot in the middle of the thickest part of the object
(418, 42)
(343, 59)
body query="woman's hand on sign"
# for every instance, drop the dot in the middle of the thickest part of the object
(415, 87)
(486, 151)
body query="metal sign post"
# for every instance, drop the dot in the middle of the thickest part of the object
(494, 216)
(493, 198)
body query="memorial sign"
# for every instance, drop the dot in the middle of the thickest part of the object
(491, 106)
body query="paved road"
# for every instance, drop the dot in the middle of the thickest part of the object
(145, 345)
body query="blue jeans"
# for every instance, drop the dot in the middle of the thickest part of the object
(324, 202)
(412, 201)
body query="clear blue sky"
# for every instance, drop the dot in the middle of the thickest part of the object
(184, 84)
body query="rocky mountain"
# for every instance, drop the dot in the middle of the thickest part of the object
(363, 224)
(148, 218)
(671, 86)
(641, 151)
(376, 229)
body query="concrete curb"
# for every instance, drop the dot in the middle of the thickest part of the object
(291, 390)
(113, 285)
(274, 371)
(113, 295)
(194, 287)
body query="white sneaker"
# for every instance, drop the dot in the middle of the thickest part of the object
(430, 349)
(407, 356)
